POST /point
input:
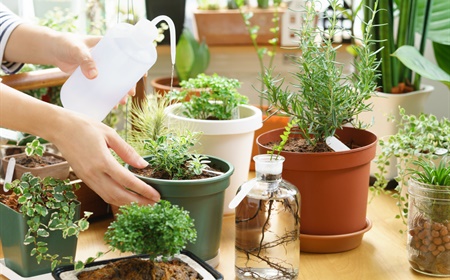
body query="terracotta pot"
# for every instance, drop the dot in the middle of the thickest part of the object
(268, 124)
(59, 170)
(333, 185)
(162, 85)
(226, 27)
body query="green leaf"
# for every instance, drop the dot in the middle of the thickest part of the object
(185, 54)
(439, 25)
(442, 55)
(412, 59)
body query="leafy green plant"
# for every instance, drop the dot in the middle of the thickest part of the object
(159, 230)
(34, 148)
(171, 156)
(418, 137)
(208, 4)
(428, 18)
(262, 51)
(323, 99)
(170, 147)
(42, 198)
(192, 57)
(218, 98)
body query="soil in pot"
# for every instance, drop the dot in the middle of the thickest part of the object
(151, 173)
(33, 162)
(137, 269)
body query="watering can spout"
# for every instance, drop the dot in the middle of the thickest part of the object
(173, 42)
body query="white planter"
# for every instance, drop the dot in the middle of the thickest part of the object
(231, 140)
(385, 105)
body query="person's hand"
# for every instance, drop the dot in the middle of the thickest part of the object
(74, 50)
(86, 145)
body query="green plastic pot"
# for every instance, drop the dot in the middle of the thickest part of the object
(204, 199)
(17, 255)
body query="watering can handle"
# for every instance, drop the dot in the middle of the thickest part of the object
(173, 42)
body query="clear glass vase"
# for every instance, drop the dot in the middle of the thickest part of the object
(429, 228)
(268, 224)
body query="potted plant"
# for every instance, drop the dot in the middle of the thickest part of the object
(40, 224)
(156, 235)
(181, 175)
(428, 223)
(191, 59)
(423, 136)
(402, 62)
(226, 123)
(38, 162)
(334, 182)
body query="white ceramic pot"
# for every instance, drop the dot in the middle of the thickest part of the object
(231, 140)
(385, 105)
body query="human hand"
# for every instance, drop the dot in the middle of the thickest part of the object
(74, 50)
(87, 151)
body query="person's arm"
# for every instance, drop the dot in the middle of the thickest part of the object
(84, 143)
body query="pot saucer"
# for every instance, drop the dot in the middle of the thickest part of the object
(332, 243)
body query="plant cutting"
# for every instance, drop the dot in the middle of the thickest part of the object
(225, 123)
(194, 181)
(429, 211)
(320, 102)
(156, 235)
(423, 136)
(43, 218)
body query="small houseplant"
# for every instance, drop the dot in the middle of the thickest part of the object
(38, 162)
(186, 177)
(321, 101)
(423, 136)
(218, 98)
(191, 59)
(155, 234)
(429, 211)
(43, 222)
(226, 123)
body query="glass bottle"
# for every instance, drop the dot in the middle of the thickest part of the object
(267, 244)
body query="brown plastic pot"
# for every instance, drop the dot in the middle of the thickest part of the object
(334, 185)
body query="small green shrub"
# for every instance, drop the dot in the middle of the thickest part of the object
(218, 98)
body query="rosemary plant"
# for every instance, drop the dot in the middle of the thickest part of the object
(322, 99)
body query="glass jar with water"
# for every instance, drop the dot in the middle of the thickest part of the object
(268, 224)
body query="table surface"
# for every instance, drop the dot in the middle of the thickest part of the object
(381, 255)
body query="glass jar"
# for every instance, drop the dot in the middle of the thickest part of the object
(268, 224)
(429, 228)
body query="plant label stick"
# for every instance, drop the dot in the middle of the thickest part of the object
(336, 144)
(9, 172)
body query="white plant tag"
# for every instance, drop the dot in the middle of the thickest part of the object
(240, 196)
(9, 172)
(336, 144)
(441, 151)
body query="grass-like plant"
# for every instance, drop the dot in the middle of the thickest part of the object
(322, 99)
(218, 98)
(428, 173)
(38, 198)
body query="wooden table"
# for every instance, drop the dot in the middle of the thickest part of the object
(382, 254)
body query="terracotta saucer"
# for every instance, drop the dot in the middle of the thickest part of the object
(332, 243)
